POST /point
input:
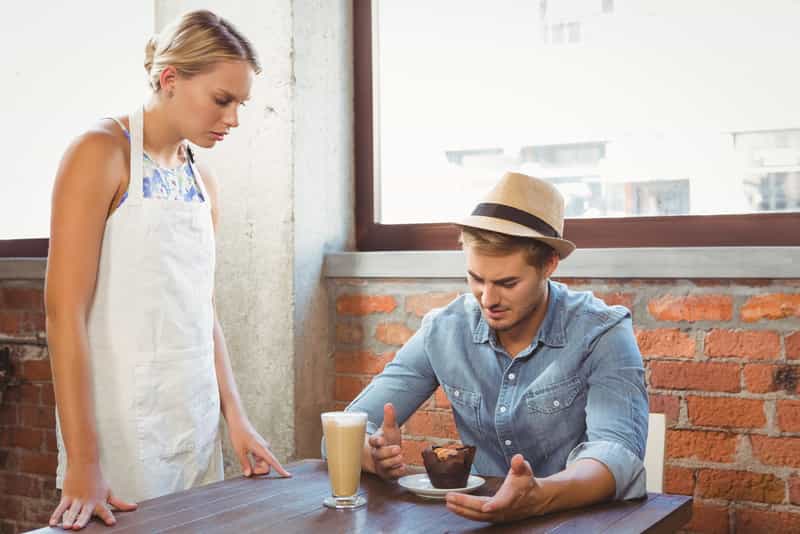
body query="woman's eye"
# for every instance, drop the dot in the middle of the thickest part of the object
(222, 102)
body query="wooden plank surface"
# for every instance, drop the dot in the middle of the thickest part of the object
(270, 504)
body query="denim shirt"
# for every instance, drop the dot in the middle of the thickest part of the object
(577, 391)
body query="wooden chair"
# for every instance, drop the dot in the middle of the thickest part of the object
(654, 452)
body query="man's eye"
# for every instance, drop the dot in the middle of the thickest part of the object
(509, 285)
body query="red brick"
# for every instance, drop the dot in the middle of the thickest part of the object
(726, 412)
(21, 298)
(692, 308)
(793, 346)
(349, 333)
(348, 387)
(28, 438)
(794, 489)
(36, 370)
(772, 306)
(9, 460)
(28, 394)
(701, 445)
(708, 518)
(50, 442)
(740, 486)
(419, 305)
(412, 451)
(361, 362)
(617, 299)
(13, 508)
(761, 378)
(37, 417)
(751, 520)
(783, 452)
(699, 376)
(10, 322)
(8, 414)
(441, 399)
(365, 304)
(39, 463)
(21, 485)
(788, 412)
(678, 480)
(665, 342)
(432, 425)
(48, 395)
(393, 333)
(753, 344)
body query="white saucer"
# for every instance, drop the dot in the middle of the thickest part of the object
(421, 485)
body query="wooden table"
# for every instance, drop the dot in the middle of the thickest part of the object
(269, 504)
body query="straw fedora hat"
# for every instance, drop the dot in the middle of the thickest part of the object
(524, 206)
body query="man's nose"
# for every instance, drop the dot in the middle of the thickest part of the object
(489, 297)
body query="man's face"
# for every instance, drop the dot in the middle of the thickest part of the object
(509, 290)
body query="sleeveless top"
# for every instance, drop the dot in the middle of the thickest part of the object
(163, 183)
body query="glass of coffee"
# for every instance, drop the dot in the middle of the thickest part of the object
(344, 442)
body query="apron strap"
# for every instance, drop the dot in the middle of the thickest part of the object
(197, 178)
(135, 187)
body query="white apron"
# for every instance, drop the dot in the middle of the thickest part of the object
(150, 331)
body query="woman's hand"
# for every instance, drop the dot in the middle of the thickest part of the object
(252, 450)
(86, 493)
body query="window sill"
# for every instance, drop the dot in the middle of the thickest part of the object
(696, 262)
(22, 268)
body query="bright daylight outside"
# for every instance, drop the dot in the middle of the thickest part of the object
(631, 107)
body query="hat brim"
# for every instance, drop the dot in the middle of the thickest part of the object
(563, 247)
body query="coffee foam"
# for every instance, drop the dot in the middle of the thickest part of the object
(345, 418)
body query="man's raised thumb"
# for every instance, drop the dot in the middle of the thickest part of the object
(389, 419)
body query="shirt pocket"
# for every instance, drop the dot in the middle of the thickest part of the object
(554, 398)
(466, 406)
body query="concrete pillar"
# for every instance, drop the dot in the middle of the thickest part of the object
(286, 198)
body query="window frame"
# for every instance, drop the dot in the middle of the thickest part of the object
(751, 229)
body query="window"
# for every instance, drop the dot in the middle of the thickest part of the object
(657, 130)
(69, 64)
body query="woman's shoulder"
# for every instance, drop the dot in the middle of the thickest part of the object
(100, 152)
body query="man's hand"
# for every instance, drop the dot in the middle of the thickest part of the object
(385, 447)
(519, 497)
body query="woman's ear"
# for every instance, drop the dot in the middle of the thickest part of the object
(167, 80)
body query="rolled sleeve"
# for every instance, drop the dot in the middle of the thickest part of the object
(616, 410)
(626, 467)
(407, 381)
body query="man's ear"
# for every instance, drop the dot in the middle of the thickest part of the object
(551, 265)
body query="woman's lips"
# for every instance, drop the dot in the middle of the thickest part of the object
(218, 136)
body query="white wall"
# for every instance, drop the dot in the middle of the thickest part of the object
(65, 65)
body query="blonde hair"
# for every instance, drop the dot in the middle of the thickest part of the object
(537, 253)
(193, 44)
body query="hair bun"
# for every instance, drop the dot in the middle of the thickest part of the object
(150, 52)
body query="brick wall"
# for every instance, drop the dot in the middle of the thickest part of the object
(27, 412)
(722, 360)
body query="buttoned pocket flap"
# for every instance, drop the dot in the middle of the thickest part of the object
(555, 397)
(459, 395)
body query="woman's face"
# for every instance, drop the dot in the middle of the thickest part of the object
(205, 107)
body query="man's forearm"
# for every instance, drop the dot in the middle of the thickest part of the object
(583, 483)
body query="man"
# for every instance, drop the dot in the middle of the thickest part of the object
(547, 383)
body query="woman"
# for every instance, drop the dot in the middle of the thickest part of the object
(140, 366)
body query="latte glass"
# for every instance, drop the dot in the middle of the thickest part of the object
(344, 442)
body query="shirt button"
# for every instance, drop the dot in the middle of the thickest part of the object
(502, 409)
(456, 393)
(508, 443)
(511, 376)
(556, 403)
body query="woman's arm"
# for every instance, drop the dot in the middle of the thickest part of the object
(88, 179)
(245, 439)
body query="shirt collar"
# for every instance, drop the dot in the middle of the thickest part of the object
(551, 332)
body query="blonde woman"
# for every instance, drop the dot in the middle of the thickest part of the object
(140, 365)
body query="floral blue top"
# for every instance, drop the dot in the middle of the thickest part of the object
(179, 183)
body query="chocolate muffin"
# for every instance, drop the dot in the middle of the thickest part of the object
(448, 466)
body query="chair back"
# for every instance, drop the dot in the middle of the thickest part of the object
(654, 452)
